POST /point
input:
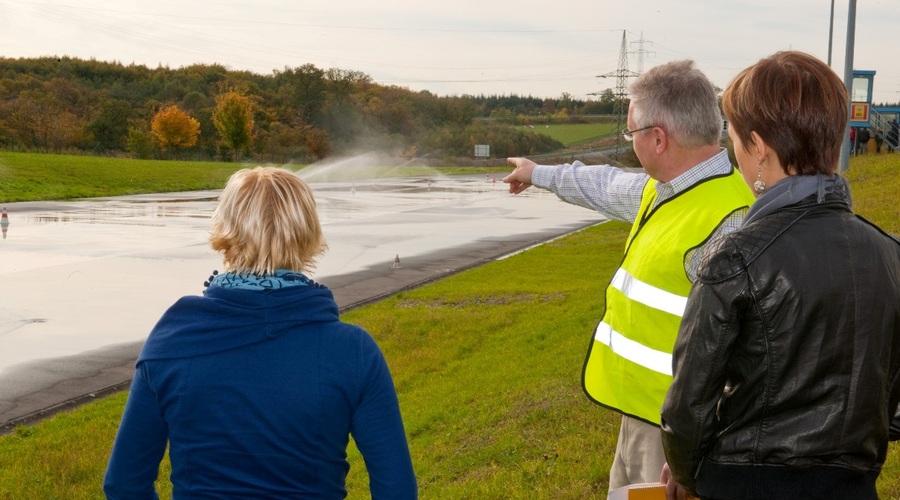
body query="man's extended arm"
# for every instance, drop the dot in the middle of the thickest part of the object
(609, 190)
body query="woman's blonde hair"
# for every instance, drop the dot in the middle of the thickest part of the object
(267, 220)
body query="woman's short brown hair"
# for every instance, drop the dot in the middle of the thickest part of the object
(266, 220)
(797, 105)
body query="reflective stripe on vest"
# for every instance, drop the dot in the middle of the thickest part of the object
(650, 295)
(635, 352)
(637, 290)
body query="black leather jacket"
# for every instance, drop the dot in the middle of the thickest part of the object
(788, 356)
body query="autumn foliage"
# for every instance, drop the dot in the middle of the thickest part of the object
(303, 113)
(233, 118)
(174, 129)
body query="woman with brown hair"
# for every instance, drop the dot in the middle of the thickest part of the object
(787, 361)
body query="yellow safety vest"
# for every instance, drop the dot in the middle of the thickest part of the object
(629, 362)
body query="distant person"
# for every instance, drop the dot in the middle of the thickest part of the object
(689, 195)
(862, 137)
(894, 136)
(879, 140)
(257, 385)
(787, 363)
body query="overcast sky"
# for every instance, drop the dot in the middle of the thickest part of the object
(458, 47)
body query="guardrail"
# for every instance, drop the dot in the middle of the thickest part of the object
(881, 126)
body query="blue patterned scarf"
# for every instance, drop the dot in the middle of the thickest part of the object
(282, 278)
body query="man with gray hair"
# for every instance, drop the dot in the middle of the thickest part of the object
(688, 194)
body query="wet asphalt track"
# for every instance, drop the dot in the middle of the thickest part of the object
(82, 282)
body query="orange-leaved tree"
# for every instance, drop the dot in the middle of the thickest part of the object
(233, 118)
(174, 129)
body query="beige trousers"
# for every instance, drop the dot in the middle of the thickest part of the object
(639, 454)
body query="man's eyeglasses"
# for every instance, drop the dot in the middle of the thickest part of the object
(628, 135)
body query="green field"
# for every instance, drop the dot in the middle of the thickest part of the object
(32, 176)
(487, 365)
(29, 176)
(576, 133)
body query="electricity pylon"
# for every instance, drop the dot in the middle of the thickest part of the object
(620, 105)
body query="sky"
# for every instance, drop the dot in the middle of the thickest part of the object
(490, 47)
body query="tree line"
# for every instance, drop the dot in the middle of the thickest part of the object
(302, 114)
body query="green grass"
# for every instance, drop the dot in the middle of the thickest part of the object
(572, 134)
(29, 176)
(63, 457)
(32, 176)
(874, 186)
(487, 365)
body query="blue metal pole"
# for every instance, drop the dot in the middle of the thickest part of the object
(848, 80)
(830, 32)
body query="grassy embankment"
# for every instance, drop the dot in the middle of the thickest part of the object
(28, 177)
(487, 366)
(574, 134)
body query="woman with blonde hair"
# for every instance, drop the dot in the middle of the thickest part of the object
(256, 386)
(787, 361)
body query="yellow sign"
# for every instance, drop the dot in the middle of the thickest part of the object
(859, 112)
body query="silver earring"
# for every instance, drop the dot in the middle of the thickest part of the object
(759, 186)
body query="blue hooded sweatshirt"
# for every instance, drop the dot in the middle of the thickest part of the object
(256, 394)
